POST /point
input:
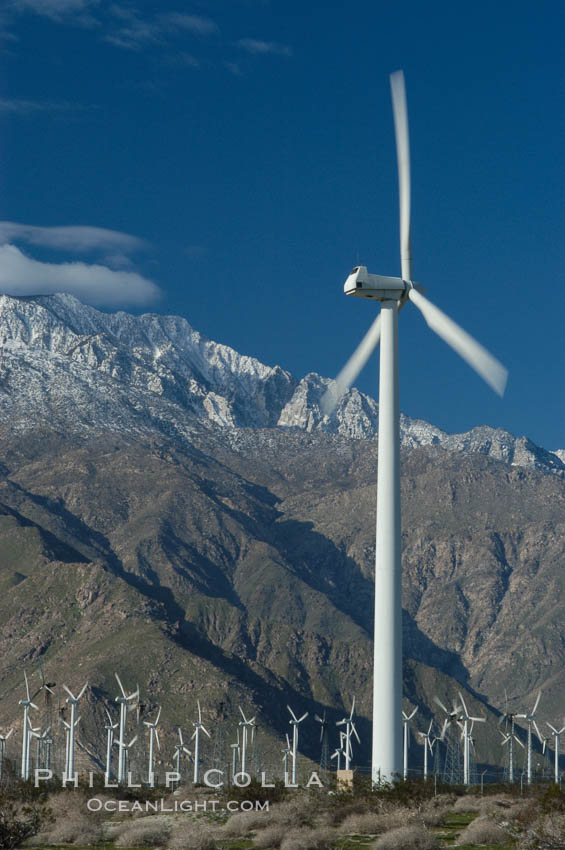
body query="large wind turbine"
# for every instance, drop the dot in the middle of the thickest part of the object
(349, 729)
(393, 293)
(245, 725)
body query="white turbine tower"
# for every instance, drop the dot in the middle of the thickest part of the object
(294, 723)
(426, 738)
(27, 704)
(153, 739)
(109, 743)
(508, 738)
(530, 720)
(124, 701)
(393, 293)
(557, 735)
(464, 719)
(73, 702)
(3, 739)
(287, 751)
(180, 748)
(245, 725)
(198, 725)
(349, 730)
(406, 718)
(339, 751)
(236, 756)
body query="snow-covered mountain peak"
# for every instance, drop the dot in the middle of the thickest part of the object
(76, 367)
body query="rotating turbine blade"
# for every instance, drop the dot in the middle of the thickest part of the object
(158, 716)
(536, 704)
(120, 684)
(242, 714)
(354, 730)
(82, 691)
(441, 705)
(68, 691)
(27, 686)
(400, 112)
(157, 739)
(205, 731)
(304, 716)
(352, 709)
(487, 366)
(294, 717)
(535, 725)
(352, 368)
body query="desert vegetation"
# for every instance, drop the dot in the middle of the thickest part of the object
(406, 816)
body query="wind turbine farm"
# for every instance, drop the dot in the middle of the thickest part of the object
(243, 603)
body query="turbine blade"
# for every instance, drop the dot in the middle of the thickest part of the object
(352, 709)
(518, 741)
(120, 684)
(535, 725)
(294, 717)
(8, 735)
(430, 726)
(158, 716)
(352, 368)
(242, 714)
(537, 703)
(441, 705)
(413, 713)
(287, 740)
(400, 113)
(33, 705)
(70, 693)
(132, 742)
(487, 366)
(304, 716)
(463, 703)
(27, 685)
(354, 730)
(82, 691)
(157, 739)
(205, 731)
(553, 729)
(199, 712)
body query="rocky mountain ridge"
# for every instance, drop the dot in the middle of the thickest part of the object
(66, 362)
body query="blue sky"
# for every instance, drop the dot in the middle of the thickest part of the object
(231, 160)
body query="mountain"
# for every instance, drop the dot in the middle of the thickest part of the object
(185, 515)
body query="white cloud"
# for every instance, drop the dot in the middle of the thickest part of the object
(95, 284)
(76, 238)
(53, 8)
(21, 106)
(252, 45)
(191, 23)
(135, 31)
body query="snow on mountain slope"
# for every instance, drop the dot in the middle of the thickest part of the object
(77, 368)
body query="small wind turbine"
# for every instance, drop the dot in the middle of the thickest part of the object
(557, 735)
(198, 725)
(324, 752)
(426, 738)
(27, 704)
(236, 755)
(530, 720)
(153, 739)
(406, 718)
(125, 701)
(509, 738)
(73, 702)
(245, 725)
(464, 719)
(294, 723)
(287, 751)
(339, 752)
(394, 293)
(349, 730)
(179, 750)
(3, 739)
(109, 743)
